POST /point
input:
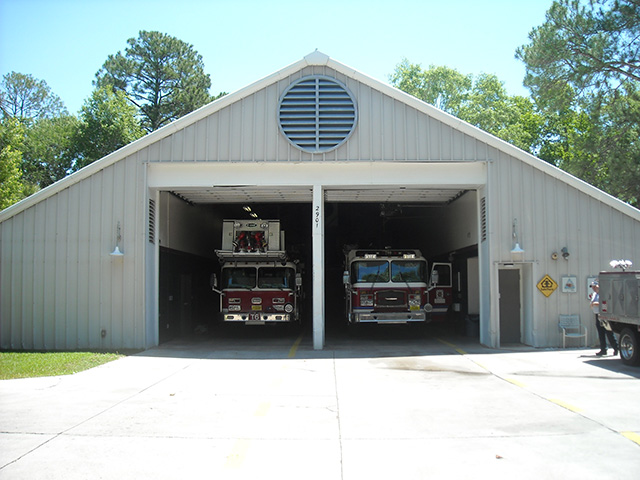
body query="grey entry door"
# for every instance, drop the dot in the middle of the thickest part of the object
(509, 290)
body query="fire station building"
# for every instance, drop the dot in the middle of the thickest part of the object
(118, 255)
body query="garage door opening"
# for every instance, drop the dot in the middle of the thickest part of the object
(190, 232)
(445, 233)
(188, 237)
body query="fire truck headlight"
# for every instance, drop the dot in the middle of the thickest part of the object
(288, 308)
(366, 300)
(234, 308)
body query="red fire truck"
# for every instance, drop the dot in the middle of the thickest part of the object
(395, 286)
(258, 283)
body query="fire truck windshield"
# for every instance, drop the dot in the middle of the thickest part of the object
(239, 277)
(408, 271)
(370, 271)
(276, 277)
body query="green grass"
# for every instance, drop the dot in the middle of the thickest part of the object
(30, 364)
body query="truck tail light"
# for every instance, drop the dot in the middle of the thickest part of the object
(366, 300)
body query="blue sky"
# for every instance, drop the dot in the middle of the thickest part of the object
(65, 42)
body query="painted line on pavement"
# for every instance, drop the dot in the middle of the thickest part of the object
(634, 437)
(515, 382)
(459, 350)
(262, 409)
(568, 406)
(238, 452)
(296, 344)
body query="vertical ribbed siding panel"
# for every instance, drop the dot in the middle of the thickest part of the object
(92, 275)
(424, 140)
(28, 259)
(126, 318)
(434, 139)
(189, 147)
(363, 131)
(37, 280)
(107, 298)
(177, 146)
(17, 293)
(224, 133)
(71, 263)
(200, 139)
(7, 327)
(49, 274)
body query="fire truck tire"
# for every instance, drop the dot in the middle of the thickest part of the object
(629, 344)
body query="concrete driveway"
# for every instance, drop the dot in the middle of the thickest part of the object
(381, 405)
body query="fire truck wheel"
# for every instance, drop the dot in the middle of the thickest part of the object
(629, 347)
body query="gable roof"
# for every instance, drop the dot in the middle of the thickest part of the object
(317, 58)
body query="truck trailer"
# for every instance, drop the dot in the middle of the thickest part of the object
(620, 310)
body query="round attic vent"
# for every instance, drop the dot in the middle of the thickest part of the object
(317, 114)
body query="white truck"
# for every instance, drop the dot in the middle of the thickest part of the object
(620, 310)
(259, 284)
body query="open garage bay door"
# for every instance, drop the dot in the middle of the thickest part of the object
(322, 184)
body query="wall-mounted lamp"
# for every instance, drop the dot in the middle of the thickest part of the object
(565, 253)
(517, 253)
(116, 251)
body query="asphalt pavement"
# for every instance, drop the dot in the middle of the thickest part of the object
(385, 403)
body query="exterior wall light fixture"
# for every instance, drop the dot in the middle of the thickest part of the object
(116, 251)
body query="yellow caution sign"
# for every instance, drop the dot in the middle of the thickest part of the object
(547, 285)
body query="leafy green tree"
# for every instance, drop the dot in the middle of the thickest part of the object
(27, 98)
(11, 138)
(583, 69)
(161, 75)
(107, 122)
(584, 47)
(49, 153)
(481, 101)
(443, 87)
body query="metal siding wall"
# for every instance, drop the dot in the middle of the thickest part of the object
(551, 215)
(59, 285)
(247, 130)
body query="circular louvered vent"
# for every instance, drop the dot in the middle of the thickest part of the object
(317, 113)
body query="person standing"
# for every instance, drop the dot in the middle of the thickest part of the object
(603, 333)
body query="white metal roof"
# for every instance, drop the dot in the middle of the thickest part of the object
(315, 59)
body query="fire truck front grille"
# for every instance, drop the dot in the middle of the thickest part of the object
(391, 298)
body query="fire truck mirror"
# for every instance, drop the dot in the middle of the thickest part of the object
(345, 277)
(213, 281)
(298, 280)
(434, 277)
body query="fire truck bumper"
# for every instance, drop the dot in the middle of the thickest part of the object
(257, 318)
(391, 317)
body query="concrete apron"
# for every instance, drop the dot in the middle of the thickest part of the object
(360, 409)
